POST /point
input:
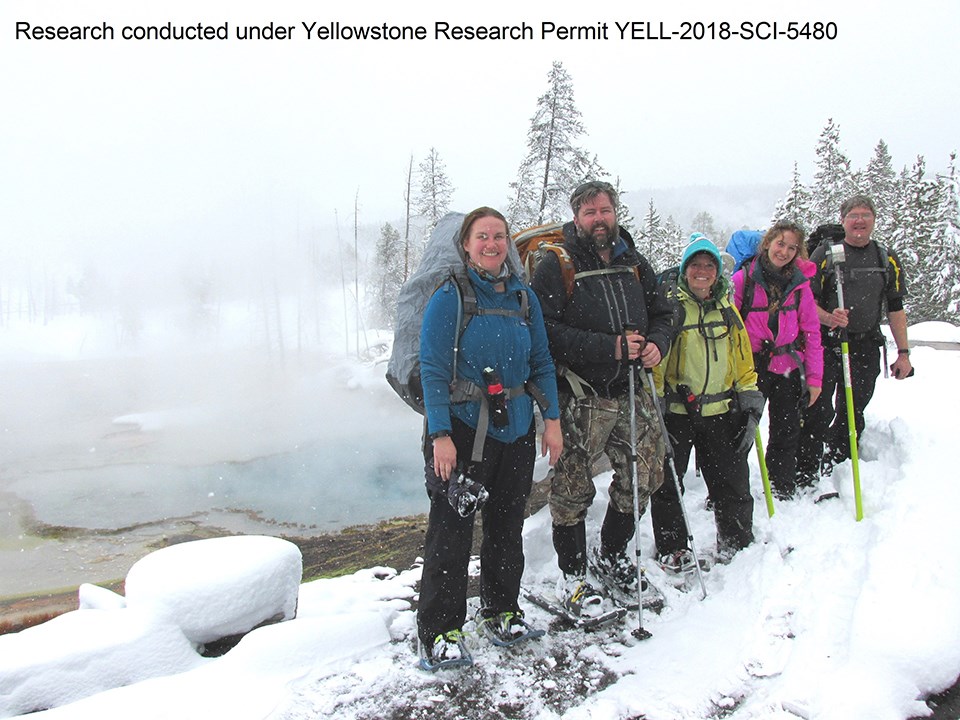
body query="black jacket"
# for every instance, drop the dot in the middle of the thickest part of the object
(584, 329)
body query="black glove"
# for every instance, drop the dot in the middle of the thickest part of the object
(749, 434)
(466, 496)
(751, 404)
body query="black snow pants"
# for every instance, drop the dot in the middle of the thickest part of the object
(506, 471)
(786, 398)
(725, 473)
(825, 423)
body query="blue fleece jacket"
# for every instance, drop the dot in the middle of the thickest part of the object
(517, 349)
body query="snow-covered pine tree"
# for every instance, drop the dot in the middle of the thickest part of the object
(675, 239)
(912, 239)
(436, 190)
(555, 164)
(879, 182)
(833, 180)
(624, 217)
(654, 243)
(796, 205)
(650, 232)
(947, 236)
(388, 265)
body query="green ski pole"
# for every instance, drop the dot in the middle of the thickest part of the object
(837, 257)
(767, 493)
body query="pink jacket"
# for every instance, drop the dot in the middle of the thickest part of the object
(797, 315)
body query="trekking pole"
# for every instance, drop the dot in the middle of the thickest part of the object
(640, 633)
(767, 493)
(837, 257)
(668, 446)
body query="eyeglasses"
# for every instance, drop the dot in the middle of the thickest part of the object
(860, 216)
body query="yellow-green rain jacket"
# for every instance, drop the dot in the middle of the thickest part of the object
(711, 354)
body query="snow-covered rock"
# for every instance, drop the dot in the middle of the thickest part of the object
(85, 652)
(94, 597)
(219, 587)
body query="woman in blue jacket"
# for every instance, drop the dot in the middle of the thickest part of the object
(504, 341)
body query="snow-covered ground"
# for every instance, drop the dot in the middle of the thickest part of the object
(823, 617)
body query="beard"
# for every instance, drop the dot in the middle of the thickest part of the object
(600, 240)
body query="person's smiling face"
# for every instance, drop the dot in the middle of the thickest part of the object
(701, 274)
(486, 244)
(858, 224)
(783, 249)
(597, 219)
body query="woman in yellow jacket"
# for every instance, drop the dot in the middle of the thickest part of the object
(709, 396)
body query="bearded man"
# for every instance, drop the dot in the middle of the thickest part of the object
(614, 317)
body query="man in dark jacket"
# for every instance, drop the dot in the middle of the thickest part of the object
(613, 317)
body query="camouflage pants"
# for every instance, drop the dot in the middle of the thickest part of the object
(593, 426)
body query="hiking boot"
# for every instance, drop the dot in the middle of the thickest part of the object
(578, 596)
(680, 561)
(447, 650)
(617, 573)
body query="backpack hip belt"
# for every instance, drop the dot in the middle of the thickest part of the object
(462, 391)
(673, 396)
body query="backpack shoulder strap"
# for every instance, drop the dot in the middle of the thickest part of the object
(731, 318)
(751, 266)
(466, 310)
(883, 257)
(746, 300)
(567, 271)
(467, 300)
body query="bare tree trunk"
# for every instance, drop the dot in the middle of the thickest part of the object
(406, 229)
(356, 263)
(548, 160)
(278, 312)
(343, 287)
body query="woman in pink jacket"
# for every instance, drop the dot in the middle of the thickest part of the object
(772, 292)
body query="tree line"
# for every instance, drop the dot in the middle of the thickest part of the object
(917, 215)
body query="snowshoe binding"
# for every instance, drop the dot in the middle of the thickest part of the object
(507, 628)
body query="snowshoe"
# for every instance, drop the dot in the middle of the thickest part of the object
(653, 599)
(507, 628)
(575, 620)
(617, 574)
(447, 651)
(681, 562)
(618, 578)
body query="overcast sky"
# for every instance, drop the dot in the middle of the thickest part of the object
(161, 144)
